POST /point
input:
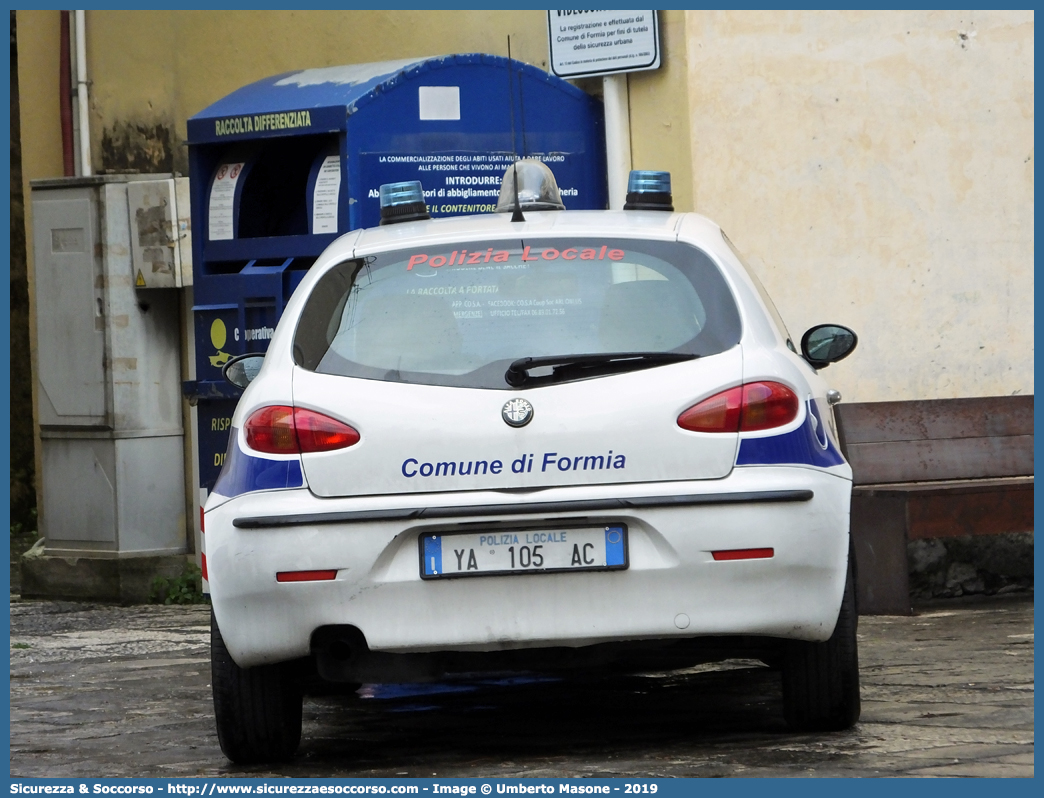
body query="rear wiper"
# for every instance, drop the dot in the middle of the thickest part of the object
(575, 367)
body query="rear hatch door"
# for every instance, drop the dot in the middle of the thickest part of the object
(413, 348)
(613, 429)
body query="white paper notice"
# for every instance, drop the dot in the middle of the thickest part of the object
(222, 201)
(324, 199)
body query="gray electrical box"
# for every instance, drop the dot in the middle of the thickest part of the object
(161, 232)
(108, 375)
(70, 330)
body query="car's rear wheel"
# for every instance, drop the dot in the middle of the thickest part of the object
(258, 710)
(821, 680)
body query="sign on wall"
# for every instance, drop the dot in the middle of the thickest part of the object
(589, 43)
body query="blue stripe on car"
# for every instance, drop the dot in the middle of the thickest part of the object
(243, 473)
(801, 446)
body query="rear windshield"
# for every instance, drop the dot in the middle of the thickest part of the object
(460, 315)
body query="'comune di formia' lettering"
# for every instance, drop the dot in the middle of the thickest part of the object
(551, 461)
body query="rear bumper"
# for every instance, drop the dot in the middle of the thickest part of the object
(672, 588)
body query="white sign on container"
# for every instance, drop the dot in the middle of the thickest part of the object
(589, 43)
(222, 202)
(324, 196)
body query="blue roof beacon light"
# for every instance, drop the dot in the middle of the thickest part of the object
(648, 191)
(403, 202)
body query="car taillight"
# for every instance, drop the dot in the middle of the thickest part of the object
(292, 430)
(319, 433)
(718, 413)
(767, 405)
(271, 430)
(745, 408)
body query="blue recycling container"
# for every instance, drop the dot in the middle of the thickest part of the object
(282, 167)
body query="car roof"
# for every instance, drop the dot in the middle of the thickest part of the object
(491, 226)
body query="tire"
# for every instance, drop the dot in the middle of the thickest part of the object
(821, 680)
(258, 710)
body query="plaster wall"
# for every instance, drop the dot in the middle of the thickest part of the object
(876, 168)
(151, 70)
(658, 105)
(41, 140)
(161, 67)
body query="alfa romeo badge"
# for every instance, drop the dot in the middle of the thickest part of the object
(517, 412)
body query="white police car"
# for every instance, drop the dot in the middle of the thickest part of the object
(534, 440)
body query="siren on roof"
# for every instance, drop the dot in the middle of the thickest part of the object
(403, 202)
(537, 188)
(648, 191)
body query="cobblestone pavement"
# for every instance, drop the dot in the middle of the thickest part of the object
(101, 691)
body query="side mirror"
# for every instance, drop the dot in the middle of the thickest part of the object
(241, 370)
(827, 343)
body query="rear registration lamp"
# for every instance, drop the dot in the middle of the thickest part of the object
(745, 408)
(293, 430)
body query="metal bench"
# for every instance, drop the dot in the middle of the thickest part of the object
(932, 469)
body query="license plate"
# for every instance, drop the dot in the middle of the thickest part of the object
(602, 548)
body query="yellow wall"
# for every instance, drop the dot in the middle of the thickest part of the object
(659, 105)
(41, 141)
(168, 65)
(877, 170)
(151, 70)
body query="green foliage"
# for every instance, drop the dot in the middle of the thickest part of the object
(23, 536)
(184, 589)
(20, 645)
(26, 528)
